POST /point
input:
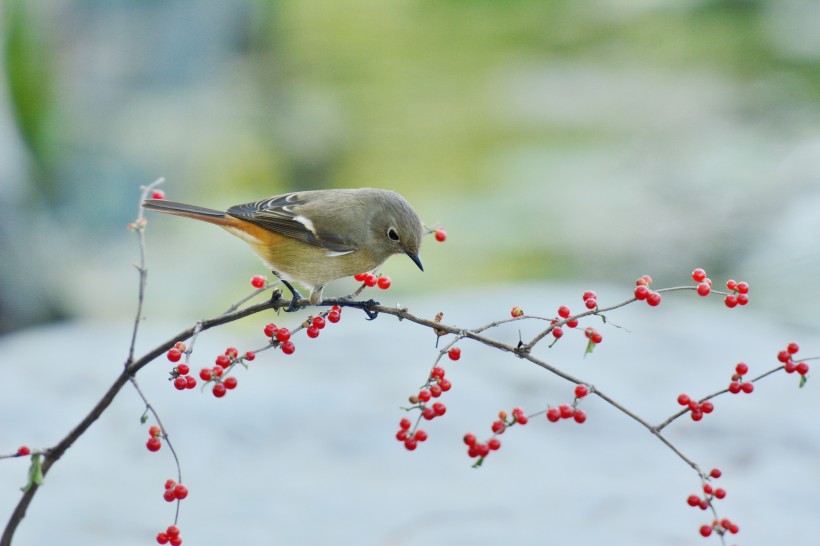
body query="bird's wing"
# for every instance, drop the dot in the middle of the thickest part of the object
(280, 214)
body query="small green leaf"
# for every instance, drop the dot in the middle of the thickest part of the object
(35, 472)
(803, 380)
(590, 347)
(144, 417)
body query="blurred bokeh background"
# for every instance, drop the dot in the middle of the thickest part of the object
(559, 142)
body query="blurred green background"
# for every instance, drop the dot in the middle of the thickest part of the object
(555, 140)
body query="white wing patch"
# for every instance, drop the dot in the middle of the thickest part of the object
(307, 223)
(333, 254)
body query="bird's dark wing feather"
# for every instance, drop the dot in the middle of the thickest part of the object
(279, 214)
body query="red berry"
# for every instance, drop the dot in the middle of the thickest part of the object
(553, 414)
(384, 282)
(180, 492)
(424, 395)
(747, 387)
(176, 541)
(469, 439)
(579, 416)
(219, 390)
(581, 391)
(516, 312)
(288, 347)
(401, 435)
(720, 493)
(731, 284)
(653, 299)
(154, 430)
(734, 387)
(410, 443)
(360, 277)
(174, 355)
(641, 292)
(22, 451)
(521, 419)
(696, 415)
(589, 295)
(405, 423)
(420, 435)
(742, 369)
(205, 374)
(230, 382)
(790, 366)
(162, 538)
(693, 405)
(730, 301)
(784, 356)
(153, 443)
(437, 372)
(742, 287)
(590, 303)
(441, 235)
(707, 489)
(158, 194)
(494, 444)
(566, 411)
(454, 353)
(172, 531)
(693, 500)
(572, 323)
(698, 275)
(334, 316)
(223, 361)
(716, 473)
(742, 299)
(596, 337)
(707, 407)
(180, 383)
(250, 355)
(564, 311)
(370, 280)
(270, 330)
(232, 352)
(319, 322)
(802, 368)
(445, 385)
(169, 495)
(557, 332)
(428, 413)
(704, 289)
(183, 369)
(683, 399)
(439, 408)
(435, 390)
(190, 382)
(313, 332)
(498, 427)
(282, 335)
(733, 528)
(705, 530)
(258, 281)
(217, 370)
(793, 348)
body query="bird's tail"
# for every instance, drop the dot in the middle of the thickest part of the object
(189, 211)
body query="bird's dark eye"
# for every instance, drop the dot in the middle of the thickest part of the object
(392, 234)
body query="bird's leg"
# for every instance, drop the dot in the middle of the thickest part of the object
(296, 296)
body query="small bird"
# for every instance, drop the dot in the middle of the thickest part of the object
(314, 237)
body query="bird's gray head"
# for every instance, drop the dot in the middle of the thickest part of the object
(397, 227)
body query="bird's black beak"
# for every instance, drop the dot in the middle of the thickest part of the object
(415, 258)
